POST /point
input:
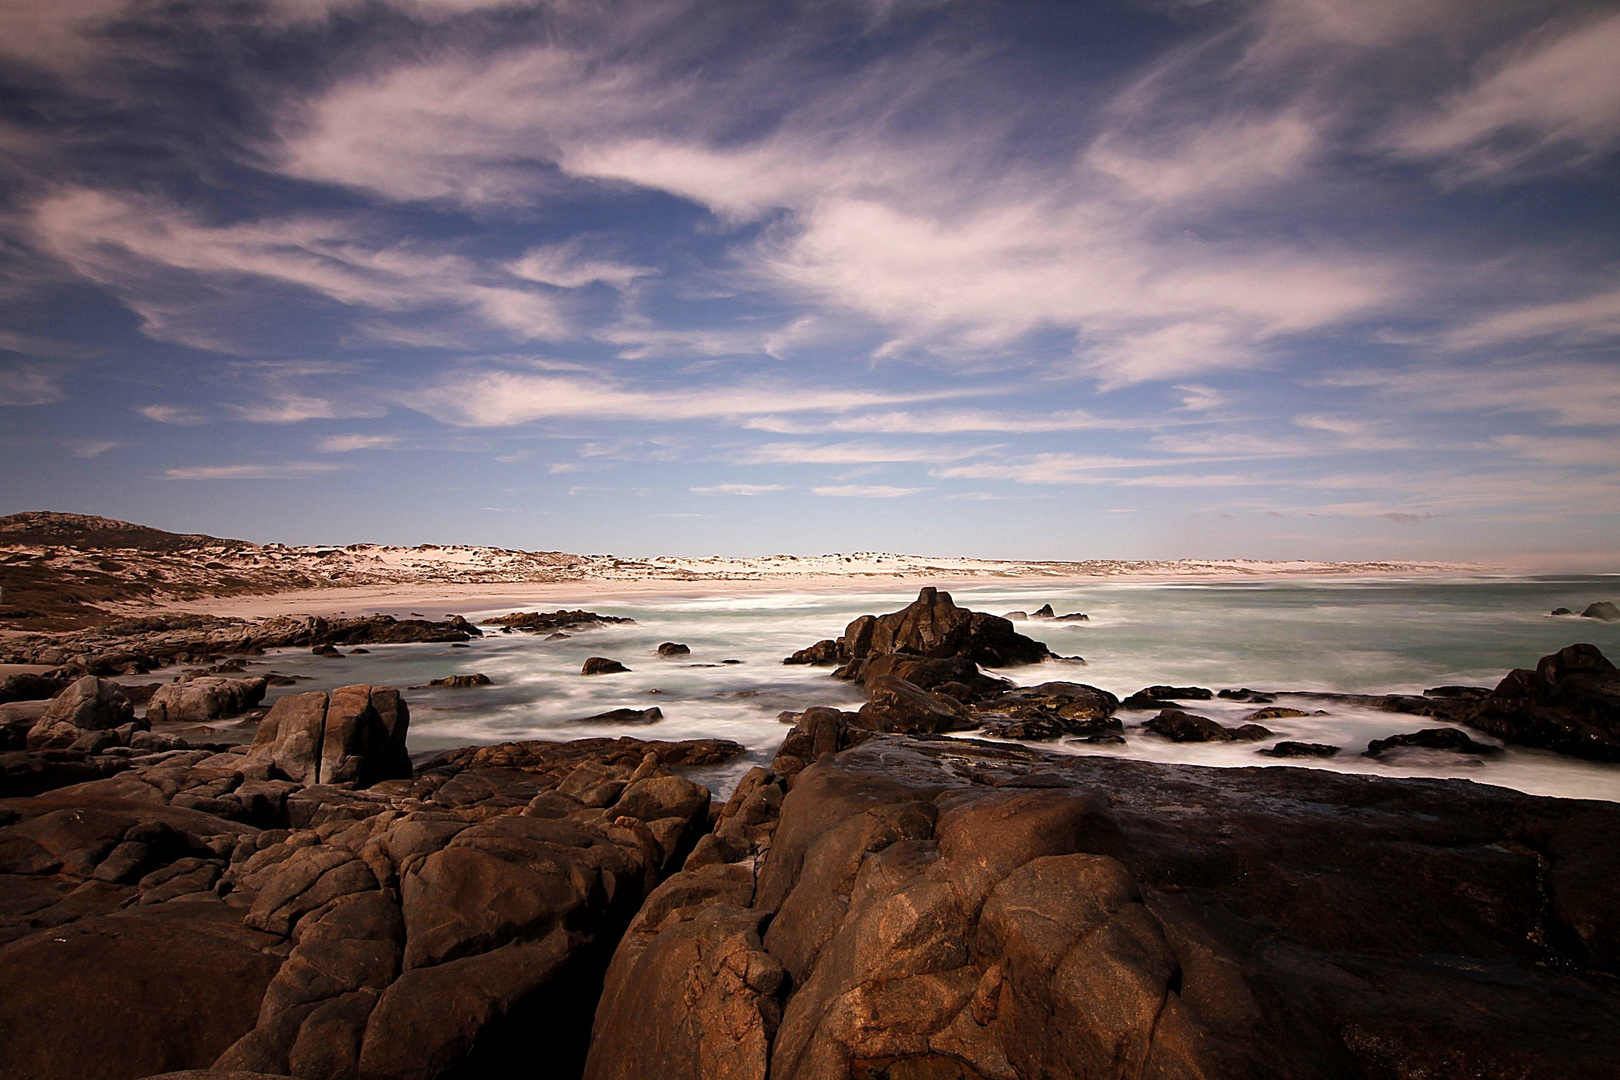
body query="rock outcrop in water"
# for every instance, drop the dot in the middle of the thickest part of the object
(552, 621)
(917, 908)
(1570, 703)
(932, 627)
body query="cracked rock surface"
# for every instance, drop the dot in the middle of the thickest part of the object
(915, 907)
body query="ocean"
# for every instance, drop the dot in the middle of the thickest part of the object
(1344, 635)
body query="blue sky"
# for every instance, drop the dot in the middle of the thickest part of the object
(1277, 279)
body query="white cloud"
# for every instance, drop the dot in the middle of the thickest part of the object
(94, 448)
(738, 489)
(1553, 102)
(850, 453)
(1564, 393)
(496, 398)
(172, 414)
(289, 471)
(950, 422)
(564, 266)
(865, 491)
(29, 385)
(127, 243)
(1049, 468)
(1590, 318)
(343, 444)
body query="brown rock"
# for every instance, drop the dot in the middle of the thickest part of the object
(601, 665)
(1570, 703)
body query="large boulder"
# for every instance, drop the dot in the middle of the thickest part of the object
(942, 908)
(354, 735)
(1570, 703)
(89, 704)
(205, 698)
(901, 707)
(931, 627)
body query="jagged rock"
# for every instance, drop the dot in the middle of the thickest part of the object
(462, 682)
(89, 704)
(1043, 612)
(1072, 617)
(673, 648)
(948, 909)
(1450, 739)
(896, 705)
(354, 735)
(448, 922)
(601, 665)
(1181, 727)
(555, 620)
(199, 700)
(1570, 703)
(1602, 609)
(823, 653)
(931, 627)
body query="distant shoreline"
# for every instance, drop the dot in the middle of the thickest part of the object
(437, 598)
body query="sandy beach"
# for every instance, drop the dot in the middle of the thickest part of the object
(438, 598)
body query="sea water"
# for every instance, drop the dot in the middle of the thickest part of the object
(1341, 635)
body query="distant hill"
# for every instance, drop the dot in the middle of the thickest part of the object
(88, 532)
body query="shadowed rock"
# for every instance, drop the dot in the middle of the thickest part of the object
(931, 627)
(1570, 703)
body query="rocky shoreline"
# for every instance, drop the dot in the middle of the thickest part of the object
(885, 900)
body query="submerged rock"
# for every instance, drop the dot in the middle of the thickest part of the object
(1450, 739)
(1288, 749)
(601, 665)
(1182, 727)
(673, 648)
(462, 682)
(623, 716)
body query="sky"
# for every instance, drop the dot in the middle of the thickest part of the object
(1322, 279)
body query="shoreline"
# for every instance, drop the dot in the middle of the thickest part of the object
(440, 598)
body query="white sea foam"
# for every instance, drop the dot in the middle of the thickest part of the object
(1369, 636)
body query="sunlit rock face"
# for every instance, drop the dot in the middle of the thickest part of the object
(925, 907)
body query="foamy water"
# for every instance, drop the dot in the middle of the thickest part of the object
(1373, 636)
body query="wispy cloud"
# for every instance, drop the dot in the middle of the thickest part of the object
(849, 453)
(343, 444)
(865, 491)
(739, 489)
(503, 398)
(288, 471)
(28, 384)
(1549, 103)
